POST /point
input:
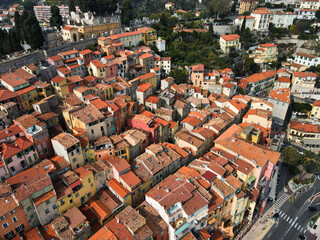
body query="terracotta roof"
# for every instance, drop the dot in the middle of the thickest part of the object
(57, 79)
(33, 234)
(256, 154)
(6, 94)
(100, 210)
(306, 55)
(97, 63)
(44, 197)
(66, 53)
(146, 55)
(284, 79)
(197, 68)
(82, 172)
(153, 99)
(305, 127)
(230, 37)
(66, 140)
(64, 70)
(12, 80)
(84, 52)
(142, 87)
(120, 164)
(304, 74)
(262, 11)
(125, 34)
(118, 229)
(103, 234)
(267, 45)
(88, 114)
(56, 58)
(247, 17)
(74, 217)
(282, 95)
(118, 188)
(192, 120)
(261, 76)
(73, 100)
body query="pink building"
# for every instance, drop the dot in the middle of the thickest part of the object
(119, 167)
(146, 123)
(16, 157)
(111, 69)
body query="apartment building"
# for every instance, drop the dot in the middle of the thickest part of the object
(262, 19)
(303, 82)
(261, 82)
(247, 6)
(306, 59)
(229, 41)
(69, 147)
(306, 134)
(267, 52)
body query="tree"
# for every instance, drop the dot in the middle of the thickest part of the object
(220, 7)
(291, 156)
(126, 12)
(179, 75)
(17, 25)
(243, 26)
(210, 30)
(318, 14)
(32, 32)
(56, 19)
(72, 6)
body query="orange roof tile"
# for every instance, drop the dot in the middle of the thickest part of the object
(118, 188)
(230, 37)
(282, 94)
(261, 76)
(305, 127)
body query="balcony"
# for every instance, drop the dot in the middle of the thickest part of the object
(181, 226)
(34, 130)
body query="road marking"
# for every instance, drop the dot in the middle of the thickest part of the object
(295, 225)
(290, 221)
(281, 214)
(304, 232)
(299, 227)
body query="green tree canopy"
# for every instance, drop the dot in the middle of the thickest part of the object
(291, 156)
(72, 6)
(56, 19)
(126, 12)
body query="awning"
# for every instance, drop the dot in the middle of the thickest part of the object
(76, 183)
(251, 180)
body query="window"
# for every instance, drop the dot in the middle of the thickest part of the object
(2, 218)
(89, 180)
(62, 202)
(5, 225)
(77, 194)
(46, 211)
(11, 212)
(31, 216)
(14, 219)
(47, 202)
(89, 195)
(9, 235)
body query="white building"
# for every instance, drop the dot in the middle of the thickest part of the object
(182, 213)
(43, 12)
(305, 13)
(303, 82)
(164, 63)
(262, 19)
(306, 59)
(283, 19)
(280, 99)
(161, 44)
(249, 21)
(309, 4)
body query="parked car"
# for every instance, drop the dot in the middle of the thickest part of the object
(312, 209)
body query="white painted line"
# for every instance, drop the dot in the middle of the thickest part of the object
(295, 225)
(281, 214)
(290, 221)
(304, 232)
(299, 227)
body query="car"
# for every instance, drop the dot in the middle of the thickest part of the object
(312, 209)
(302, 237)
(315, 226)
(275, 216)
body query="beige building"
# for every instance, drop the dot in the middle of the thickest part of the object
(230, 41)
(247, 5)
(315, 112)
(75, 33)
(69, 147)
(267, 52)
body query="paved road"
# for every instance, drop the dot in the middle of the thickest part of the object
(293, 214)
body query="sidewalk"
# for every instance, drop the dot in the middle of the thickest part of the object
(262, 226)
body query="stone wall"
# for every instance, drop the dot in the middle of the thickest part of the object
(41, 55)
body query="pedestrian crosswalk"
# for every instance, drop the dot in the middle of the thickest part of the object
(292, 222)
(281, 201)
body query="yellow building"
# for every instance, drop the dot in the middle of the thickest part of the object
(60, 86)
(28, 96)
(149, 35)
(75, 33)
(107, 89)
(97, 69)
(247, 5)
(173, 128)
(245, 174)
(230, 41)
(315, 112)
(149, 78)
(267, 52)
(306, 134)
(76, 189)
(44, 89)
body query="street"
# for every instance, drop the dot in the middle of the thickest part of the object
(293, 214)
